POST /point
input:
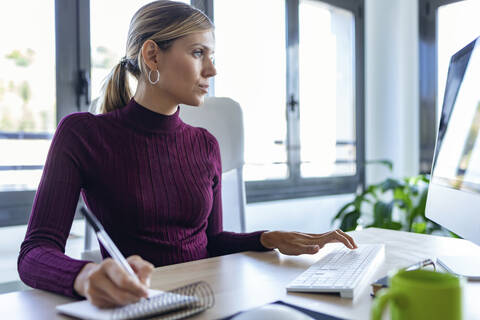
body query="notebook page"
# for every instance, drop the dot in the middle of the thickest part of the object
(85, 310)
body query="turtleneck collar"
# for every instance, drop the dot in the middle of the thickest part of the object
(146, 119)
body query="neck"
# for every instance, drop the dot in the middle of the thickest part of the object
(154, 99)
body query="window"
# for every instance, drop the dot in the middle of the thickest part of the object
(446, 26)
(28, 104)
(304, 133)
(27, 93)
(327, 84)
(251, 70)
(303, 130)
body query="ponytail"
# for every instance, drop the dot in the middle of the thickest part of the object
(116, 89)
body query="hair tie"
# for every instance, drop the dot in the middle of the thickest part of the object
(124, 61)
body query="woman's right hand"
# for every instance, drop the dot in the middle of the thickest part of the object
(108, 285)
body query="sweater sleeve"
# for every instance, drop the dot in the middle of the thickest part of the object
(222, 242)
(42, 262)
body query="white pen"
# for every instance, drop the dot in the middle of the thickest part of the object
(107, 242)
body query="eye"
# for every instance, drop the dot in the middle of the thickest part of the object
(198, 53)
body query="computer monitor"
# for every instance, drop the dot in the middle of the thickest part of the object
(454, 191)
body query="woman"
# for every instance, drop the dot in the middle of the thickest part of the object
(153, 181)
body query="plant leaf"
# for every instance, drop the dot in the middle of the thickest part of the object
(357, 203)
(401, 204)
(419, 227)
(402, 199)
(414, 190)
(382, 214)
(418, 210)
(391, 184)
(394, 225)
(424, 178)
(372, 188)
(399, 194)
(350, 221)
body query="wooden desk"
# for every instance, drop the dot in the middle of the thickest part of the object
(246, 280)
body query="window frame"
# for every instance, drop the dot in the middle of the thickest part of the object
(72, 54)
(428, 61)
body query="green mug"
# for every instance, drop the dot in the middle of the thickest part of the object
(421, 294)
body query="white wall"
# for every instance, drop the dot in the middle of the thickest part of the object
(307, 215)
(391, 86)
(391, 113)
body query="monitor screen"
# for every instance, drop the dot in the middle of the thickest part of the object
(454, 190)
(457, 153)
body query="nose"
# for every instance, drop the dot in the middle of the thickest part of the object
(209, 69)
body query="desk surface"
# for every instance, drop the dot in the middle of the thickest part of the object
(245, 280)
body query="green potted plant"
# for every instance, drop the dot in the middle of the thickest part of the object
(397, 204)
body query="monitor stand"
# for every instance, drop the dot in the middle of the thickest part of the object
(467, 266)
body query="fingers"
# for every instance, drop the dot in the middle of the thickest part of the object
(333, 236)
(296, 243)
(142, 268)
(100, 301)
(108, 284)
(312, 249)
(304, 249)
(298, 249)
(104, 303)
(122, 279)
(103, 293)
(349, 237)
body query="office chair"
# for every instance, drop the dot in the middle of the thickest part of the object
(224, 119)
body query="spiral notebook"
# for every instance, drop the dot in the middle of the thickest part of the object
(179, 303)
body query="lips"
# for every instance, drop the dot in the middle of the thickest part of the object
(204, 87)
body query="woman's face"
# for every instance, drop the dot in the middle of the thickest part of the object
(185, 68)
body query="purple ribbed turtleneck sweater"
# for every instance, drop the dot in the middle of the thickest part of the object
(153, 181)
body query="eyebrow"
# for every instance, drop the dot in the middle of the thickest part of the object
(204, 46)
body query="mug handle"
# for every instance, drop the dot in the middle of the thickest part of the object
(379, 304)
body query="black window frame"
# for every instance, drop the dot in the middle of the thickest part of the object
(428, 75)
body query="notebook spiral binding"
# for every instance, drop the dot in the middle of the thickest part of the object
(171, 305)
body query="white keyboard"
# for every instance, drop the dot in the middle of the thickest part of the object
(343, 270)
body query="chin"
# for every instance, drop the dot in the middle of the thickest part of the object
(195, 101)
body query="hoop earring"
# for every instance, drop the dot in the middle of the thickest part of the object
(150, 78)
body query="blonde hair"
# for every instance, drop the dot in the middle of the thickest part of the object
(163, 22)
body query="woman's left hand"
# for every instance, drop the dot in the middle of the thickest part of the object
(295, 243)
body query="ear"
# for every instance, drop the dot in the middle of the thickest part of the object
(151, 54)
